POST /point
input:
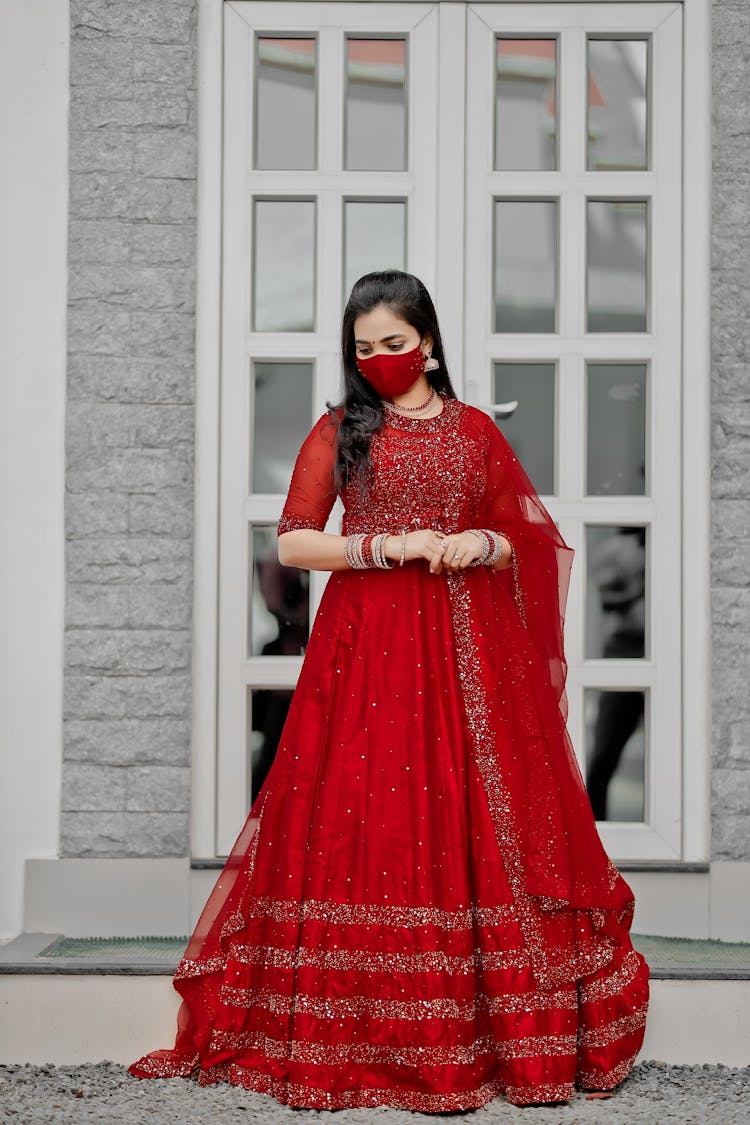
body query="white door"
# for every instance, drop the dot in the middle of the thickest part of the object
(524, 160)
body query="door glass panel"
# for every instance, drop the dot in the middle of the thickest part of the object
(374, 237)
(525, 265)
(615, 592)
(616, 265)
(525, 104)
(279, 599)
(284, 265)
(375, 131)
(617, 104)
(285, 103)
(616, 429)
(616, 752)
(527, 394)
(281, 412)
(267, 709)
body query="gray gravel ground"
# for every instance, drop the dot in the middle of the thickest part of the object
(105, 1092)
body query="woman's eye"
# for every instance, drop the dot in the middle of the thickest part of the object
(395, 347)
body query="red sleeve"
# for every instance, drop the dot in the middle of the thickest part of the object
(312, 493)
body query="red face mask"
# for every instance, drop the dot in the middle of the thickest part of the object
(392, 374)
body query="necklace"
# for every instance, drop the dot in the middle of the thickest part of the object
(407, 410)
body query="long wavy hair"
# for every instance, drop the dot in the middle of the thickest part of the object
(406, 296)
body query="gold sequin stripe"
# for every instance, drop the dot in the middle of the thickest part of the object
(377, 914)
(375, 961)
(610, 1032)
(606, 1079)
(439, 1007)
(344, 1054)
(614, 983)
(524, 1095)
(312, 1097)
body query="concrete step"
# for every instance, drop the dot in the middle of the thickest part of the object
(70, 1001)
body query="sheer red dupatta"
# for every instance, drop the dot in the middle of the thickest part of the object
(564, 860)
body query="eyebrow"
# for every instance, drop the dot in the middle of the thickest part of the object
(385, 339)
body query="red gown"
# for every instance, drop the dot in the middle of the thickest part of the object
(419, 911)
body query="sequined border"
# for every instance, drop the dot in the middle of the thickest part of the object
(376, 961)
(612, 984)
(378, 914)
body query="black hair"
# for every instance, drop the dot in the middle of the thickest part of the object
(406, 296)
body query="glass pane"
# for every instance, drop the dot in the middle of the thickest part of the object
(267, 709)
(616, 265)
(615, 592)
(284, 265)
(279, 599)
(525, 265)
(374, 238)
(617, 103)
(285, 103)
(616, 429)
(616, 753)
(527, 392)
(282, 409)
(525, 104)
(375, 105)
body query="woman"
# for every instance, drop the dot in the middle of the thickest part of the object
(419, 911)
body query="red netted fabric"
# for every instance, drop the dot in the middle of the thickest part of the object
(419, 911)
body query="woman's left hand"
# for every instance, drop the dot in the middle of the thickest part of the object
(459, 552)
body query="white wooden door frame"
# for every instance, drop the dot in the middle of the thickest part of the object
(696, 166)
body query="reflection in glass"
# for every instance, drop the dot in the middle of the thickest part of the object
(279, 599)
(285, 110)
(266, 714)
(375, 105)
(530, 426)
(615, 753)
(284, 265)
(525, 104)
(374, 238)
(525, 265)
(615, 592)
(616, 265)
(617, 103)
(616, 429)
(281, 412)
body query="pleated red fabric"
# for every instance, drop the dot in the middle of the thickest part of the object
(419, 911)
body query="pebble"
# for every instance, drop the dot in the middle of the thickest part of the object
(106, 1094)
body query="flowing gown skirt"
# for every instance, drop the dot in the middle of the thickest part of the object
(418, 911)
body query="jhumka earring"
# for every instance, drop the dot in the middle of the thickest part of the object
(431, 364)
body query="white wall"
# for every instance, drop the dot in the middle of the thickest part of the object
(33, 214)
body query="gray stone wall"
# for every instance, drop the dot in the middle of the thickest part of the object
(129, 428)
(730, 410)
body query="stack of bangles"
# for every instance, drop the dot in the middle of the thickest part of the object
(363, 551)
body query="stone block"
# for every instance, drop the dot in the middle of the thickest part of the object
(101, 61)
(730, 563)
(127, 742)
(102, 834)
(159, 62)
(161, 605)
(730, 519)
(730, 836)
(163, 244)
(126, 697)
(110, 378)
(96, 327)
(729, 694)
(107, 149)
(129, 561)
(162, 200)
(158, 789)
(163, 334)
(95, 513)
(136, 470)
(92, 605)
(91, 787)
(134, 287)
(731, 743)
(101, 241)
(161, 514)
(730, 612)
(105, 651)
(174, 155)
(169, 21)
